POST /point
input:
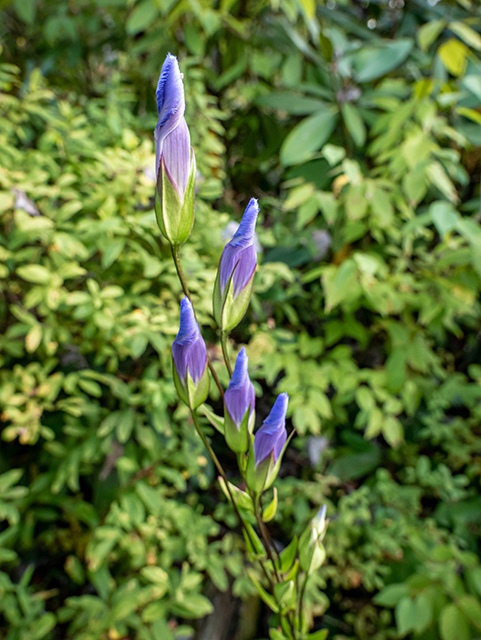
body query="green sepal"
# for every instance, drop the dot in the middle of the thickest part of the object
(270, 510)
(241, 498)
(174, 213)
(238, 438)
(256, 477)
(318, 635)
(259, 479)
(272, 472)
(192, 394)
(229, 311)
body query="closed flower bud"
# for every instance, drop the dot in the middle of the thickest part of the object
(235, 276)
(174, 157)
(239, 406)
(318, 523)
(269, 446)
(190, 359)
(312, 552)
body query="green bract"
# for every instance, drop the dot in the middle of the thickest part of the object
(238, 437)
(229, 311)
(192, 394)
(260, 478)
(175, 214)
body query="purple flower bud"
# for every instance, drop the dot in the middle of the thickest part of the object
(172, 138)
(240, 395)
(188, 349)
(239, 258)
(272, 436)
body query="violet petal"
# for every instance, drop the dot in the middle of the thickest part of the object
(240, 393)
(176, 152)
(272, 436)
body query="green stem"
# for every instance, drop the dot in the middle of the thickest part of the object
(175, 248)
(301, 599)
(268, 543)
(224, 477)
(223, 341)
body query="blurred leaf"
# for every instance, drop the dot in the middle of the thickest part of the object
(404, 614)
(374, 62)
(34, 273)
(470, 37)
(444, 216)
(354, 123)
(391, 595)
(141, 17)
(292, 103)
(194, 605)
(452, 624)
(355, 465)
(429, 32)
(453, 54)
(308, 136)
(26, 11)
(469, 113)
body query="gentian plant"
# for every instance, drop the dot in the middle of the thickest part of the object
(281, 576)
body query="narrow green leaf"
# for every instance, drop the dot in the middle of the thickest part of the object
(354, 123)
(270, 510)
(266, 597)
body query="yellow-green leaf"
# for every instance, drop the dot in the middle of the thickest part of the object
(453, 55)
(270, 510)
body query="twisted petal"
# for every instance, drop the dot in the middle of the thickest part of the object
(176, 152)
(188, 349)
(272, 436)
(170, 103)
(239, 256)
(170, 90)
(240, 393)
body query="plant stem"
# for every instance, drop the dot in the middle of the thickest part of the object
(269, 537)
(301, 599)
(268, 543)
(175, 248)
(224, 477)
(223, 341)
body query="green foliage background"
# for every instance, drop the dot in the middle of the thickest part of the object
(360, 119)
